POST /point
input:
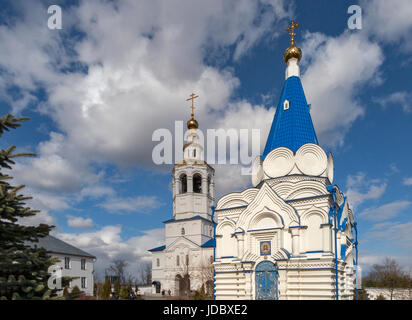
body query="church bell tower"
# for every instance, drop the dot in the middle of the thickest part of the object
(193, 182)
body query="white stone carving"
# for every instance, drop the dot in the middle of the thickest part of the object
(311, 159)
(279, 162)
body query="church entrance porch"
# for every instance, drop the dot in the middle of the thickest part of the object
(156, 286)
(182, 285)
(266, 281)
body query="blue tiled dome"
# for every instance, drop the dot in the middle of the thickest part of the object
(293, 127)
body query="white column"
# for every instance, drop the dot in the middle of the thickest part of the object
(189, 183)
(204, 185)
(295, 241)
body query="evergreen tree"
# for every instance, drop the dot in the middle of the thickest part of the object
(66, 293)
(75, 293)
(124, 293)
(23, 268)
(107, 288)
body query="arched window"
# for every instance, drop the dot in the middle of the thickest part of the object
(209, 181)
(197, 183)
(194, 153)
(183, 183)
(183, 231)
(187, 259)
(177, 261)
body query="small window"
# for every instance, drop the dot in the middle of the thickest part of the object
(83, 264)
(182, 231)
(177, 261)
(67, 263)
(158, 262)
(187, 259)
(83, 282)
(194, 153)
(286, 105)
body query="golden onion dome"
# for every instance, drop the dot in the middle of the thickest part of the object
(292, 52)
(192, 124)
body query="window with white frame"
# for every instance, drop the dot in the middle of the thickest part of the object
(83, 280)
(83, 264)
(67, 262)
(286, 105)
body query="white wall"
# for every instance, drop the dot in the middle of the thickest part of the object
(76, 271)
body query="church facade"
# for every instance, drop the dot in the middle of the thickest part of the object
(292, 235)
(184, 263)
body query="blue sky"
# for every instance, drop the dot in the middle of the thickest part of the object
(118, 70)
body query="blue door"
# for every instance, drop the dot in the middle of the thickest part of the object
(266, 279)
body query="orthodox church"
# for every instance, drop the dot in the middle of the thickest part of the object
(293, 235)
(184, 263)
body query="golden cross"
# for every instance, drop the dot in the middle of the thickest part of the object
(192, 97)
(292, 34)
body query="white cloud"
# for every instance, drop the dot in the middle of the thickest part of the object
(97, 191)
(388, 21)
(360, 189)
(79, 222)
(407, 181)
(107, 245)
(392, 231)
(140, 204)
(386, 211)
(400, 98)
(336, 70)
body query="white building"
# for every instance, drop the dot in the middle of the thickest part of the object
(184, 263)
(291, 236)
(73, 261)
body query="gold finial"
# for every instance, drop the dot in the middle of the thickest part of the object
(292, 34)
(192, 123)
(293, 51)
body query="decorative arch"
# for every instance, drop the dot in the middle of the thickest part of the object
(228, 245)
(266, 219)
(313, 235)
(315, 210)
